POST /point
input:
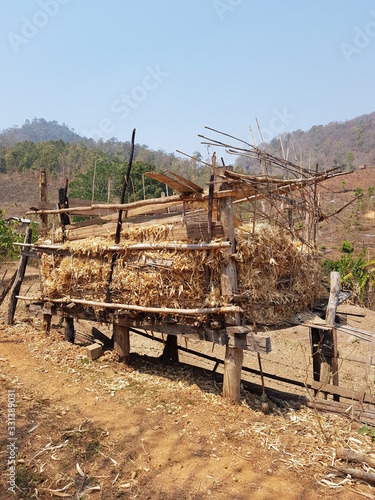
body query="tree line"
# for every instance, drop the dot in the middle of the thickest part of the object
(107, 161)
(346, 144)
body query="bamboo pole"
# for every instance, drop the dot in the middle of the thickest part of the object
(114, 206)
(140, 246)
(131, 307)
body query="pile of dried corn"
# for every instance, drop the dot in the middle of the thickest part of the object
(276, 278)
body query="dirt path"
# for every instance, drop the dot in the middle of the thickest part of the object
(152, 432)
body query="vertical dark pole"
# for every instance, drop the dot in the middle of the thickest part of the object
(119, 220)
(15, 290)
(64, 203)
(70, 333)
(43, 196)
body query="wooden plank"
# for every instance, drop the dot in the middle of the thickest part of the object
(175, 181)
(174, 206)
(179, 231)
(321, 387)
(350, 410)
(194, 186)
(250, 342)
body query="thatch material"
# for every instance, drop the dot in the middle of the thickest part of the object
(276, 277)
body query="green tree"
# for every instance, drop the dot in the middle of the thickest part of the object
(350, 159)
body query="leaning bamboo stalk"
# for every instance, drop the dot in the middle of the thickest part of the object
(113, 206)
(131, 307)
(141, 246)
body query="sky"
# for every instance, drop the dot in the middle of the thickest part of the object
(171, 67)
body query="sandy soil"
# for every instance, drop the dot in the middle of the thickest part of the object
(102, 429)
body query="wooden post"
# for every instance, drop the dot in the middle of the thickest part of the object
(367, 370)
(121, 341)
(70, 333)
(15, 290)
(64, 203)
(7, 287)
(43, 196)
(328, 339)
(233, 355)
(170, 352)
(330, 320)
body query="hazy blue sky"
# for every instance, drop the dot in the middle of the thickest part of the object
(170, 67)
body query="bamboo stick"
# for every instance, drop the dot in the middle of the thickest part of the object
(131, 307)
(115, 206)
(143, 246)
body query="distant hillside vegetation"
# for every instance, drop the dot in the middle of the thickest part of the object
(38, 130)
(347, 144)
(42, 144)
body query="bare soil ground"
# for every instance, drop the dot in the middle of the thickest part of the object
(351, 224)
(102, 429)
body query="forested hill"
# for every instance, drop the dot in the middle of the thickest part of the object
(40, 143)
(347, 144)
(38, 130)
(63, 153)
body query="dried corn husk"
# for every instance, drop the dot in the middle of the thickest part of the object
(276, 277)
